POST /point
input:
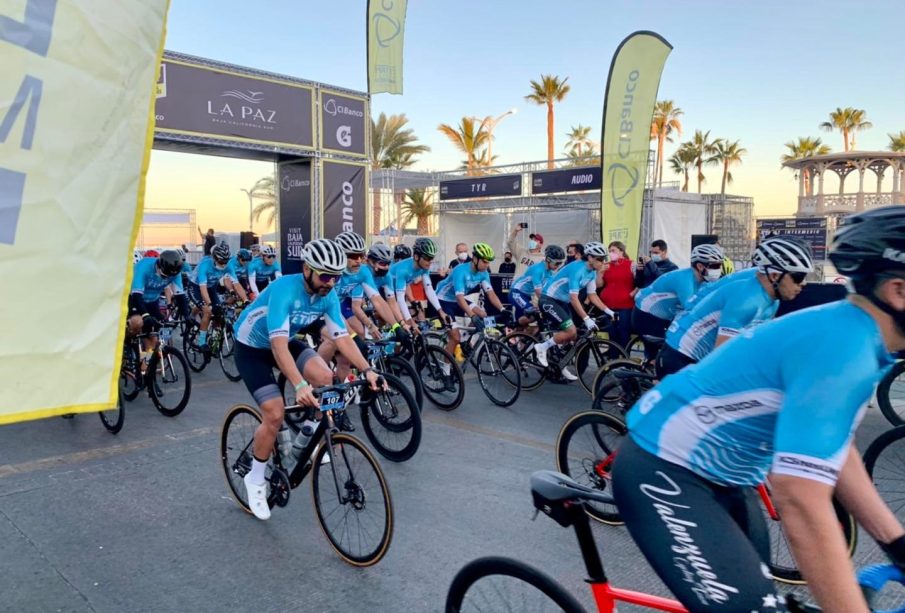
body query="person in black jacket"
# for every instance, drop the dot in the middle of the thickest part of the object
(507, 267)
(657, 264)
(209, 240)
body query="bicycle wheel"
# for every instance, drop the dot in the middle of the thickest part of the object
(391, 420)
(585, 449)
(169, 381)
(615, 400)
(352, 500)
(591, 356)
(891, 395)
(441, 377)
(113, 418)
(530, 370)
(236, 453)
(885, 463)
(502, 584)
(402, 369)
(605, 374)
(227, 356)
(195, 357)
(635, 349)
(128, 384)
(498, 372)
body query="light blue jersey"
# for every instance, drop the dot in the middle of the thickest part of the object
(570, 279)
(405, 272)
(463, 279)
(283, 309)
(236, 269)
(785, 397)
(258, 268)
(726, 311)
(149, 283)
(356, 285)
(207, 273)
(669, 294)
(384, 283)
(706, 288)
(534, 278)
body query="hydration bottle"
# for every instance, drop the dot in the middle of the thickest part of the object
(284, 446)
(302, 438)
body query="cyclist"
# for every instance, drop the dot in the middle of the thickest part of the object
(401, 252)
(525, 291)
(701, 439)
(205, 286)
(413, 270)
(379, 260)
(264, 270)
(150, 277)
(657, 305)
(263, 334)
(560, 303)
(238, 269)
(464, 280)
(782, 264)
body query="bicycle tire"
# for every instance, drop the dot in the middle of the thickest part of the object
(113, 418)
(502, 364)
(886, 470)
(173, 356)
(614, 400)
(544, 587)
(196, 359)
(590, 466)
(355, 486)
(883, 395)
(128, 385)
(635, 349)
(591, 356)
(533, 374)
(401, 368)
(607, 369)
(227, 356)
(436, 384)
(235, 449)
(378, 410)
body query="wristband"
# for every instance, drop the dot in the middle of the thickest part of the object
(367, 370)
(302, 385)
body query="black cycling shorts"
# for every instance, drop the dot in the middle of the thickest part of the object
(671, 361)
(152, 309)
(557, 315)
(708, 543)
(256, 367)
(194, 293)
(645, 324)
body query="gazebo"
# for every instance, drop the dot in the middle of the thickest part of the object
(813, 201)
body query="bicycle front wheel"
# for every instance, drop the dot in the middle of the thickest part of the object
(441, 377)
(227, 356)
(591, 357)
(113, 417)
(401, 368)
(891, 395)
(530, 370)
(169, 381)
(352, 500)
(498, 372)
(391, 420)
(236, 449)
(506, 585)
(196, 358)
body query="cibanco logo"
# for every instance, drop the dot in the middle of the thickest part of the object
(386, 28)
(623, 181)
(344, 136)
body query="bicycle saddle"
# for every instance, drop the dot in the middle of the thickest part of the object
(654, 340)
(555, 487)
(624, 373)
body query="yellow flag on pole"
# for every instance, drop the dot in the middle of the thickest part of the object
(76, 128)
(386, 29)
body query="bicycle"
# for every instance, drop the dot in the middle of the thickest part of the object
(586, 448)
(353, 479)
(891, 395)
(885, 463)
(220, 341)
(440, 375)
(383, 356)
(485, 584)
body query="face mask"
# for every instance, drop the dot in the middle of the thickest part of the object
(615, 255)
(656, 257)
(532, 244)
(508, 259)
(381, 272)
(462, 256)
(711, 275)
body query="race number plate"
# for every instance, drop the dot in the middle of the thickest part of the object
(332, 401)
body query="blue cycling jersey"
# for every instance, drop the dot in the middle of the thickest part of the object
(148, 282)
(207, 273)
(785, 397)
(534, 277)
(726, 311)
(706, 288)
(384, 284)
(462, 280)
(668, 294)
(570, 279)
(283, 309)
(259, 268)
(237, 269)
(356, 284)
(405, 272)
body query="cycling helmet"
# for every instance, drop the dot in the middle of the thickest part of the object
(220, 252)
(351, 242)
(255, 249)
(152, 253)
(728, 267)
(170, 263)
(869, 244)
(783, 254)
(483, 251)
(595, 249)
(402, 252)
(137, 255)
(707, 254)
(380, 253)
(181, 253)
(325, 255)
(425, 247)
(268, 251)
(243, 255)
(554, 253)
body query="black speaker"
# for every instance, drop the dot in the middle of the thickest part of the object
(247, 239)
(703, 239)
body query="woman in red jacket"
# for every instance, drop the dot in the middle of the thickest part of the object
(618, 292)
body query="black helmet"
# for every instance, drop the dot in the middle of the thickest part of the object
(169, 263)
(868, 244)
(402, 252)
(554, 253)
(220, 253)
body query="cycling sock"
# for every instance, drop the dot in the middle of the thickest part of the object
(202, 337)
(257, 470)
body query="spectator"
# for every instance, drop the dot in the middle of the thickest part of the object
(574, 252)
(657, 264)
(523, 258)
(209, 240)
(618, 292)
(508, 266)
(461, 255)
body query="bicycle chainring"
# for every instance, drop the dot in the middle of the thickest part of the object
(279, 488)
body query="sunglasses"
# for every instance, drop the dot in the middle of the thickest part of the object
(599, 258)
(715, 266)
(425, 257)
(326, 277)
(556, 262)
(355, 256)
(269, 257)
(798, 277)
(381, 264)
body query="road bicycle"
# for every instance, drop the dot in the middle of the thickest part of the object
(351, 497)
(885, 463)
(503, 584)
(220, 341)
(440, 375)
(891, 395)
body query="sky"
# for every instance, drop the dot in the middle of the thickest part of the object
(764, 72)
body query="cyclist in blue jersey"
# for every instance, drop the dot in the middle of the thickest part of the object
(463, 280)
(658, 304)
(263, 334)
(560, 303)
(237, 268)
(379, 260)
(150, 278)
(525, 290)
(411, 270)
(205, 285)
(781, 401)
(264, 269)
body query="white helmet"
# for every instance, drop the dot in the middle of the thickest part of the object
(268, 251)
(137, 255)
(351, 242)
(783, 254)
(595, 249)
(255, 249)
(706, 254)
(325, 255)
(181, 253)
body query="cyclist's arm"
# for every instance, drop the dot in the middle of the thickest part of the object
(733, 319)
(205, 294)
(383, 309)
(575, 301)
(279, 345)
(360, 314)
(278, 314)
(430, 293)
(397, 312)
(279, 271)
(463, 304)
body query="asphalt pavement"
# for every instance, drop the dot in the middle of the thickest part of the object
(143, 521)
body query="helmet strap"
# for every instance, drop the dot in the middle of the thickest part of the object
(776, 283)
(898, 317)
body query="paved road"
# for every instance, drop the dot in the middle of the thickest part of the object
(143, 521)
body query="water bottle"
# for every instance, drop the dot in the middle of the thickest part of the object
(284, 445)
(302, 438)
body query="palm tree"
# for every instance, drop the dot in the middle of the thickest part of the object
(392, 146)
(263, 191)
(467, 138)
(848, 121)
(897, 141)
(727, 153)
(585, 158)
(803, 148)
(549, 90)
(681, 161)
(578, 138)
(665, 121)
(417, 205)
(704, 152)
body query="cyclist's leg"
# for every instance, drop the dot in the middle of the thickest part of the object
(453, 310)
(688, 529)
(645, 324)
(671, 361)
(558, 318)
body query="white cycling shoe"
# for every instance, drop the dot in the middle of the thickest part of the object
(568, 375)
(257, 498)
(541, 353)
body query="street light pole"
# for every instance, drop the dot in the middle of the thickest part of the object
(250, 205)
